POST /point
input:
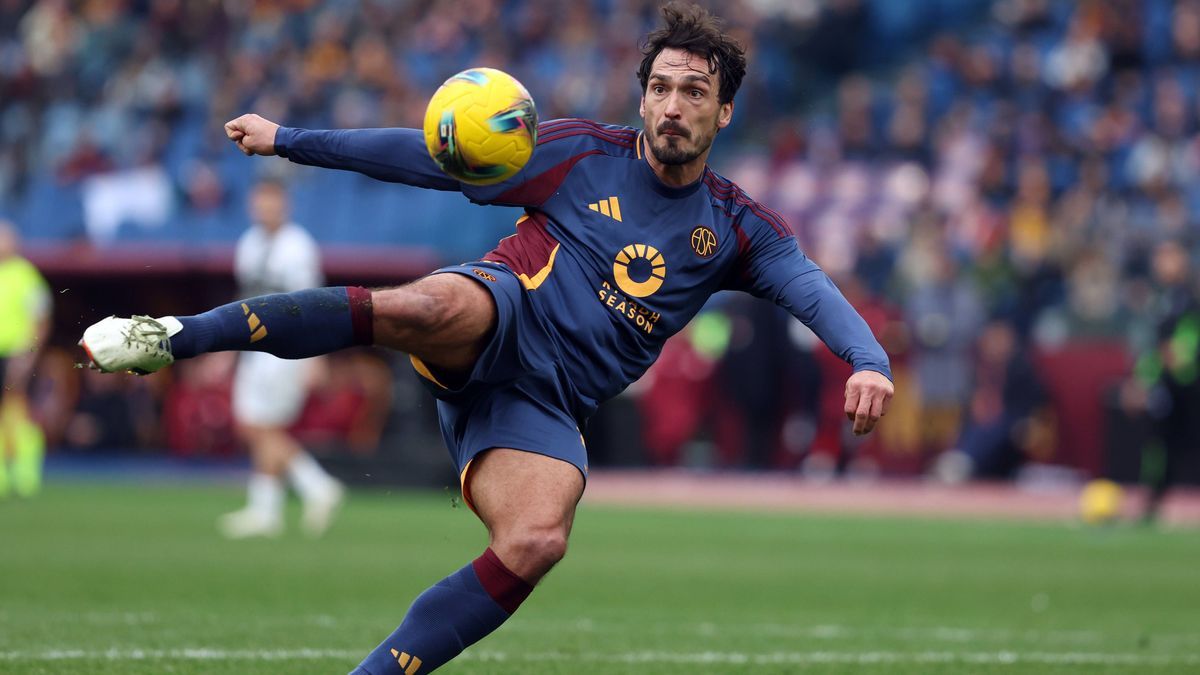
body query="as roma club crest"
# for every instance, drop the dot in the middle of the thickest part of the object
(704, 241)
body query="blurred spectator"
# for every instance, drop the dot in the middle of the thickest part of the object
(680, 397)
(348, 404)
(761, 377)
(945, 312)
(1006, 419)
(112, 414)
(197, 419)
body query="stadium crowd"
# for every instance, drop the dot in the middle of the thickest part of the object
(986, 180)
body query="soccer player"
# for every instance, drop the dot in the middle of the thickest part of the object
(626, 234)
(275, 256)
(24, 325)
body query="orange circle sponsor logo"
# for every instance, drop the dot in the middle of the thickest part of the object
(649, 285)
(704, 241)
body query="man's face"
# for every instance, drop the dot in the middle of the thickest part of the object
(268, 207)
(1170, 264)
(679, 108)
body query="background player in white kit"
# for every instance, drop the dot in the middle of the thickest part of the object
(275, 256)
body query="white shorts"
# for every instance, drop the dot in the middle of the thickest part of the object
(269, 391)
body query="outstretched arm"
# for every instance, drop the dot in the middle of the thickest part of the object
(392, 155)
(773, 267)
(812, 297)
(400, 156)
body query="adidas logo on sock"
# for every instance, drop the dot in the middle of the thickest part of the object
(410, 664)
(257, 330)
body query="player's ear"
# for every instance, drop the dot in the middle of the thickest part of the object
(642, 107)
(725, 116)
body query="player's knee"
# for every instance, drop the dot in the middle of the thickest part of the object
(540, 548)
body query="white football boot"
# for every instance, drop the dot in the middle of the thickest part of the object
(139, 344)
(248, 523)
(319, 510)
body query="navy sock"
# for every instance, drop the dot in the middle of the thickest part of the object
(289, 325)
(444, 620)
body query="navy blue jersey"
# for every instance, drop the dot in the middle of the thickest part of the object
(615, 260)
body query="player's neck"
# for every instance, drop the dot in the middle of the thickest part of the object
(675, 175)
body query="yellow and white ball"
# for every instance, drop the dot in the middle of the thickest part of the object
(481, 126)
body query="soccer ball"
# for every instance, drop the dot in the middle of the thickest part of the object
(481, 126)
(1100, 502)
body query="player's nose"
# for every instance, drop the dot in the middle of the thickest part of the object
(672, 109)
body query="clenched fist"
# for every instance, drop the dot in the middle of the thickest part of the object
(253, 135)
(867, 397)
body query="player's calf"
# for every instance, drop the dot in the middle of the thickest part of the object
(289, 325)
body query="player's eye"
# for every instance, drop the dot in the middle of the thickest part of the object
(696, 93)
(658, 89)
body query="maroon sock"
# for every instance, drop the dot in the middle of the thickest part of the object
(451, 615)
(505, 587)
(362, 315)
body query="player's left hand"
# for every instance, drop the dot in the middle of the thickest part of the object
(867, 397)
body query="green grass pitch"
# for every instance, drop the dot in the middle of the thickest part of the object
(120, 578)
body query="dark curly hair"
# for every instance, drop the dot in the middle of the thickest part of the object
(693, 29)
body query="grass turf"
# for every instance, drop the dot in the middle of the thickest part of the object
(120, 578)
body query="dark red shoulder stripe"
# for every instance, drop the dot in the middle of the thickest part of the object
(558, 137)
(768, 215)
(730, 191)
(617, 136)
(561, 125)
(778, 226)
(579, 120)
(538, 189)
(584, 127)
(560, 121)
(585, 132)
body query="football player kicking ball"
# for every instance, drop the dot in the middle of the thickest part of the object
(626, 234)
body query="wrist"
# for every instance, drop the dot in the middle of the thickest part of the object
(283, 138)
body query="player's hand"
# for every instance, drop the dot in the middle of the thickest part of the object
(867, 397)
(253, 135)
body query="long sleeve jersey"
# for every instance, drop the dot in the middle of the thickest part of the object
(614, 260)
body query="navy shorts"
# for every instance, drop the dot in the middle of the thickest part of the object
(515, 396)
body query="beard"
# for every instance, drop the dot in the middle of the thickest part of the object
(671, 151)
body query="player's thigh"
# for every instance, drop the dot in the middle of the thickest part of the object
(442, 319)
(527, 500)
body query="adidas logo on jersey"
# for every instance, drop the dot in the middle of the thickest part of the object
(610, 207)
